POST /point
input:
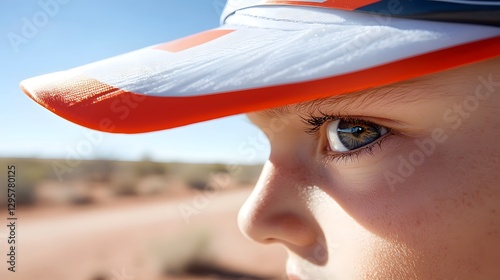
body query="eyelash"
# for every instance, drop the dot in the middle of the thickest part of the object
(315, 123)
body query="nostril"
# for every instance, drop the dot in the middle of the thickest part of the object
(268, 227)
(270, 241)
(292, 228)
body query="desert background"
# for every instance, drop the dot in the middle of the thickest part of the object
(115, 220)
(133, 217)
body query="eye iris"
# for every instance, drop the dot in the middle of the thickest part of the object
(354, 135)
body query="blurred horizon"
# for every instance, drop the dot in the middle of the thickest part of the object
(119, 178)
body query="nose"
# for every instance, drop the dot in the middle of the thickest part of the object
(277, 210)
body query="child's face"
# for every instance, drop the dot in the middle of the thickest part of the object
(420, 199)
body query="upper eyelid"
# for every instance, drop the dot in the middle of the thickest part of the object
(315, 123)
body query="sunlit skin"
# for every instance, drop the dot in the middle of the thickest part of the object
(392, 210)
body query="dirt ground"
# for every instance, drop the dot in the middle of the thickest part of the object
(194, 236)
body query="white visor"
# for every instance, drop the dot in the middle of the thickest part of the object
(262, 56)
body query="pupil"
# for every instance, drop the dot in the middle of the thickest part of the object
(357, 130)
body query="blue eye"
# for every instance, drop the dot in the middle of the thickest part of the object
(345, 136)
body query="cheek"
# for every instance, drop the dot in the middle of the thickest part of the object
(415, 185)
(357, 251)
(420, 205)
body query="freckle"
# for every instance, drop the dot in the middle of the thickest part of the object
(493, 233)
(445, 250)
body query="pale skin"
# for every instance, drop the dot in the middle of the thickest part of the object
(419, 201)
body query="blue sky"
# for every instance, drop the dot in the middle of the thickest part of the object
(43, 36)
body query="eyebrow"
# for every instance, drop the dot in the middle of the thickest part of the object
(399, 93)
